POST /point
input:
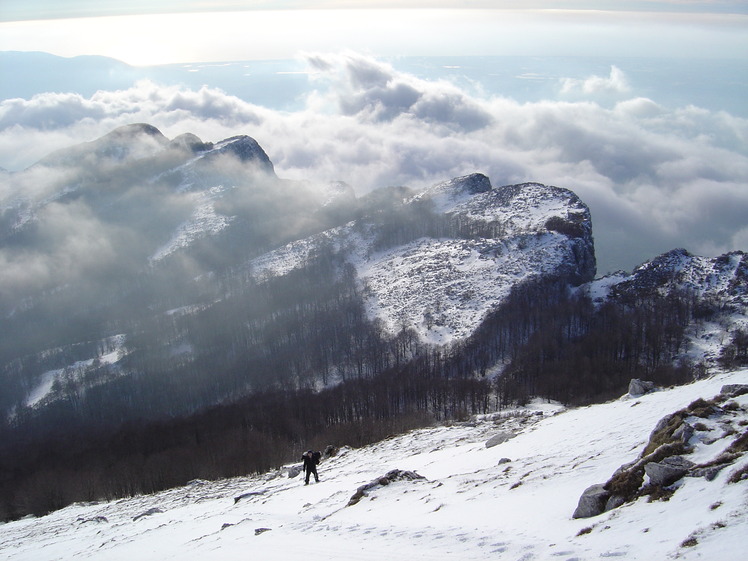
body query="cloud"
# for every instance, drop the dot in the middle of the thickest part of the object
(613, 84)
(373, 90)
(32, 128)
(654, 177)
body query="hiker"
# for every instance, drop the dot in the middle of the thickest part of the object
(310, 459)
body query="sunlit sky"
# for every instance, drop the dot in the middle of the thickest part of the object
(583, 94)
(168, 31)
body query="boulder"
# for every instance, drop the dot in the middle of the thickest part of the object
(499, 438)
(294, 471)
(330, 451)
(734, 390)
(668, 471)
(639, 387)
(614, 501)
(593, 501)
(248, 495)
(683, 433)
(390, 477)
(149, 512)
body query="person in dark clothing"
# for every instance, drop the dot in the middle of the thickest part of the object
(310, 459)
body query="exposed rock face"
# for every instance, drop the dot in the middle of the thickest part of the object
(663, 460)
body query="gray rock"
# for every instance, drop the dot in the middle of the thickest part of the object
(499, 438)
(390, 477)
(592, 502)
(614, 502)
(708, 473)
(639, 387)
(734, 390)
(668, 471)
(96, 519)
(294, 471)
(683, 433)
(149, 512)
(330, 451)
(504, 461)
(248, 495)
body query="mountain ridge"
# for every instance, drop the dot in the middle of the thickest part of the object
(435, 263)
(179, 295)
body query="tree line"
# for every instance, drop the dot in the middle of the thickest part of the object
(555, 343)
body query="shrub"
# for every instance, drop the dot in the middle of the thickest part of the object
(565, 227)
(738, 475)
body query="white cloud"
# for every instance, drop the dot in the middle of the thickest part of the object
(613, 84)
(654, 178)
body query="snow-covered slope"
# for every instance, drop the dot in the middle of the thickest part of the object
(80, 373)
(721, 283)
(443, 287)
(513, 500)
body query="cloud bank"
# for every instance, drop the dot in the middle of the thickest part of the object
(654, 177)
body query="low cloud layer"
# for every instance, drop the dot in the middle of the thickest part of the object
(654, 177)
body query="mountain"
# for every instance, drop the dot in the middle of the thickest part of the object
(133, 230)
(83, 74)
(164, 299)
(442, 493)
(717, 288)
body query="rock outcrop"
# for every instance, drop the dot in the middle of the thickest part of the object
(390, 477)
(664, 462)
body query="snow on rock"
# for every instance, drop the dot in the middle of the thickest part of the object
(443, 288)
(472, 504)
(720, 281)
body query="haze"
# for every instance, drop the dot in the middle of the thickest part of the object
(636, 106)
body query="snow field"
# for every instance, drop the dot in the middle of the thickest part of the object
(469, 506)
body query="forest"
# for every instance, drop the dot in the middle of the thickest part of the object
(554, 343)
(228, 372)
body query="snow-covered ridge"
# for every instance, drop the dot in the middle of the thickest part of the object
(514, 500)
(444, 287)
(721, 281)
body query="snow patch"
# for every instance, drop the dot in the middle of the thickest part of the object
(75, 371)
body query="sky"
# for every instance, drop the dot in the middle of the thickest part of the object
(635, 106)
(280, 30)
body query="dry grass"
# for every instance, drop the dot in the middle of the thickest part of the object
(690, 542)
(738, 475)
(664, 435)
